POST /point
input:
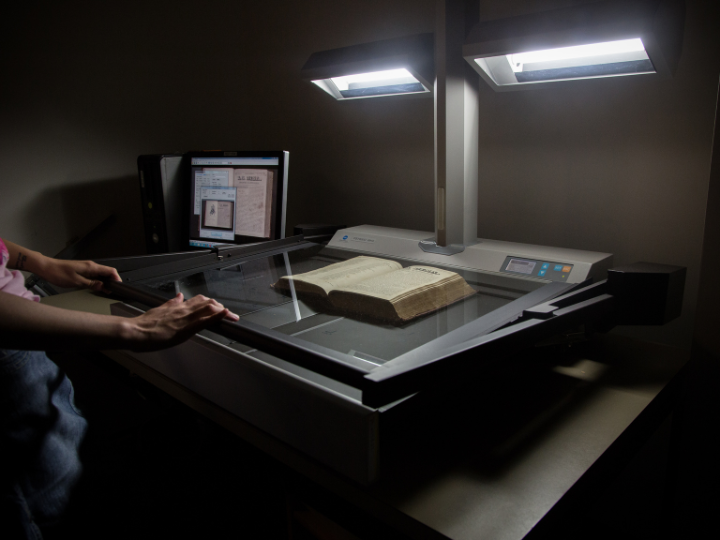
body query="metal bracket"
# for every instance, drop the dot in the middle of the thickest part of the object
(221, 250)
(430, 246)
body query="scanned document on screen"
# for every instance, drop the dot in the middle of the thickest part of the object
(210, 178)
(218, 214)
(254, 194)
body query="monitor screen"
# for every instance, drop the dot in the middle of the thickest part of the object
(237, 197)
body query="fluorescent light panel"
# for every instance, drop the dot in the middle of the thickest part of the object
(592, 53)
(374, 84)
(608, 59)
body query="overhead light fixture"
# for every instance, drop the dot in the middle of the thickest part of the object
(623, 57)
(603, 39)
(376, 83)
(383, 68)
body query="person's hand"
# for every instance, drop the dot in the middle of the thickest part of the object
(69, 274)
(175, 321)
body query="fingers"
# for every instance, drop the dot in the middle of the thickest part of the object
(86, 274)
(199, 308)
(208, 310)
(176, 320)
(93, 284)
(200, 316)
(200, 299)
(95, 270)
(226, 313)
(205, 307)
(105, 272)
(97, 286)
(206, 316)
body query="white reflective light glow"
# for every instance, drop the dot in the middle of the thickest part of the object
(382, 77)
(390, 82)
(590, 51)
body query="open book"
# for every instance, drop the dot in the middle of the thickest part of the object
(378, 288)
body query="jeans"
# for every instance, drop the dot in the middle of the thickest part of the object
(40, 432)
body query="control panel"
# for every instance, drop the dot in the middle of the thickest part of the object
(550, 270)
(510, 258)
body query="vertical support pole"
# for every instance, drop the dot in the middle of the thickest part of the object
(471, 121)
(456, 130)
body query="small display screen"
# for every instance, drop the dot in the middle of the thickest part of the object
(520, 266)
(236, 198)
(550, 270)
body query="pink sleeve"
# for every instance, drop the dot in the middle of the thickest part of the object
(12, 281)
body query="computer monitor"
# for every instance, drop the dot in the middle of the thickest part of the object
(237, 197)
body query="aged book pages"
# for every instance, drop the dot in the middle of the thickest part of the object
(381, 289)
(403, 294)
(324, 280)
(252, 215)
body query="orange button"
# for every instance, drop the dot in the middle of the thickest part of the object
(566, 268)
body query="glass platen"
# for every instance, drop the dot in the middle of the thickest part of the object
(246, 288)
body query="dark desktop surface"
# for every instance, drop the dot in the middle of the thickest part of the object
(154, 467)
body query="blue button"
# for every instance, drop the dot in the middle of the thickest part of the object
(545, 266)
(541, 272)
(558, 268)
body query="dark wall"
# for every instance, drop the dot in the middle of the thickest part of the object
(618, 165)
(87, 87)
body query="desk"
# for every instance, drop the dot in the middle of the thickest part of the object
(558, 433)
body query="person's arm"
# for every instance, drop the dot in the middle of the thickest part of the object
(28, 325)
(60, 272)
